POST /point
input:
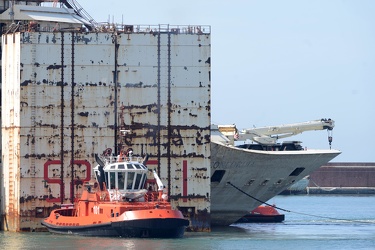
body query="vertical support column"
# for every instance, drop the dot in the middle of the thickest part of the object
(72, 127)
(169, 105)
(158, 141)
(32, 128)
(115, 82)
(62, 192)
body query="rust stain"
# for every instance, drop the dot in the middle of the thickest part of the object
(200, 220)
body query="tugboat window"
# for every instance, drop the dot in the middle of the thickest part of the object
(130, 180)
(130, 166)
(137, 166)
(137, 181)
(112, 180)
(143, 181)
(106, 180)
(121, 180)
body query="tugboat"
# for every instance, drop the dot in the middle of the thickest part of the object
(117, 204)
(262, 213)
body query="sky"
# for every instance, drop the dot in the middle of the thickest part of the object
(280, 62)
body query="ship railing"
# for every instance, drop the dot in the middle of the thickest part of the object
(113, 159)
(34, 27)
(108, 27)
(154, 196)
(165, 28)
(151, 196)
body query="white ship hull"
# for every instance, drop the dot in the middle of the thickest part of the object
(261, 174)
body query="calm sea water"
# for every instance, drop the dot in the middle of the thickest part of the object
(315, 222)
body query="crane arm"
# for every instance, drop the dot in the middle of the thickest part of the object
(158, 181)
(269, 135)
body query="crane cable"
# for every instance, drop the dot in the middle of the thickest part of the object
(289, 211)
(330, 137)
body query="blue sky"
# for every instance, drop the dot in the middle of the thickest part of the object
(280, 62)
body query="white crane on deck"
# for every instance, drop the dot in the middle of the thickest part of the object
(269, 135)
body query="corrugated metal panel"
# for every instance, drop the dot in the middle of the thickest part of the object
(163, 97)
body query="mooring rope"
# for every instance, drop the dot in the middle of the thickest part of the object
(289, 211)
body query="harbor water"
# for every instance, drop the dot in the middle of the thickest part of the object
(311, 222)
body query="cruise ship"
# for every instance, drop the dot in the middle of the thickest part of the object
(245, 176)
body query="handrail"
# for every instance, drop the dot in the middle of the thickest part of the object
(118, 28)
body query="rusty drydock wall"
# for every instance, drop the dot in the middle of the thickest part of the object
(66, 95)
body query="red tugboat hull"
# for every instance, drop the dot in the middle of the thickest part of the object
(154, 223)
(145, 228)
